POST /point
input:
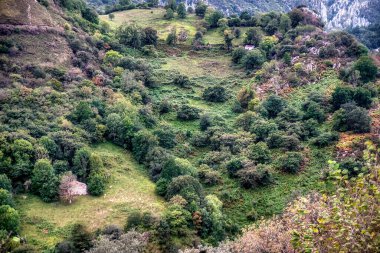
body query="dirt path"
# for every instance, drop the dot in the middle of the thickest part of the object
(32, 29)
(29, 15)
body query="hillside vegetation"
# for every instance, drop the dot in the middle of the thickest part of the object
(188, 128)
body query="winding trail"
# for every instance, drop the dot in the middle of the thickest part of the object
(29, 15)
(31, 29)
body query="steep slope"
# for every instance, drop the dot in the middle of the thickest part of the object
(35, 32)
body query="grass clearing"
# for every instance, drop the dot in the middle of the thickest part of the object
(153, 18)
(129, 189)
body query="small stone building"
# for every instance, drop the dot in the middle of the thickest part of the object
(71, 187)
(249, 47)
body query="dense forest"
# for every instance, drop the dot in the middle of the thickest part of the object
(177, 129)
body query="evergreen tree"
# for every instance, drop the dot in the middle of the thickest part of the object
(181, 10)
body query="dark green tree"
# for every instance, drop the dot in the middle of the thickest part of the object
(259, 153)
(234, 165)
(238, 54)
(253, 59)
(363, 97)
(80, 238)
(177, 167)
(169, 14)
(254, 36)
(82, 167)
(131, 36)
(352, 118)
(151, 36)
(181, 10)
(82, 112)
(44, 181)
(342, 95)
(5, 182)
(201, 9)
(367, 68)
(96, 184)
(215, 94)
(274, 105)
(291, 162)
(142, 142)
(213, 18)
(187, 187)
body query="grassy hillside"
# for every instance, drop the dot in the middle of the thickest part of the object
(180, 143)
(129, 190)
(155, 18)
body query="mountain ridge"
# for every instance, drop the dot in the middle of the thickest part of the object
(337, 14)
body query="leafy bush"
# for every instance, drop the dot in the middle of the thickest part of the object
(164, 106)
(352, 166)
(60, 166)
(367, 68)
(342, 95)
(352, 118)
(44, 181)
(187, 113)
(187, 187)
(96, 184)
(254, 36)
(169, 14)
(131, 35)
(82, 166)
(172, 39)
(254, 177)
(363, 97)
(200, 9)
(166, 137)
(259, 153)
(253, 59)
(215, 94)
(134, 220)
(291, 162)
(5, 182)
(262, 129)
(162, 186)
(181, 10)
(142, 142)
(9, 219)
(274, 105)
(151, 36)
(6, 198)
(238, 54)
(205, 122)
(213, 18)
(245, 96)
(82, 112)
(289, 115)
(209, 176)
(177, 167)
(325, 139)
(313, 110)
(182, 81)
(328, 52)
(155, 160)
(290, 143)
(234, 165)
